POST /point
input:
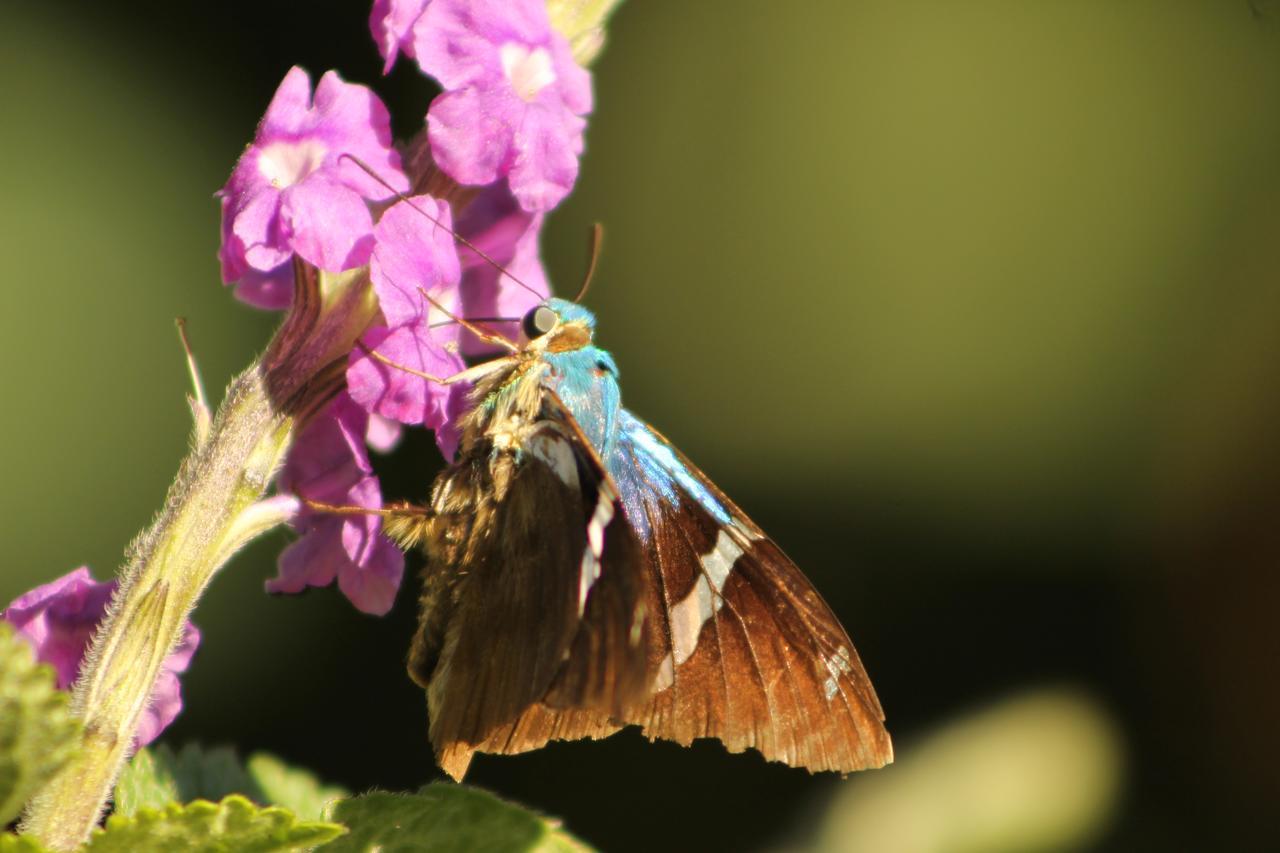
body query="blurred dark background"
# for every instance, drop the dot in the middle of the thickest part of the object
(972, 306)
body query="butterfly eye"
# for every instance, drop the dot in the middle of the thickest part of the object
(539, 321)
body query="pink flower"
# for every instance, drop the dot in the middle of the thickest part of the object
(513, 96)
(293, 192)
(60, 618)
(509, 236)
(329, 464)
(412, 255)
(414, 251)
(391, 22)
(383, 434)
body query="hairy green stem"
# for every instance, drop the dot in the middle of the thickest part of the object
(211, 510)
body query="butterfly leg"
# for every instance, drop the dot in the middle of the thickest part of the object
(469, 375)
(387, 511)
(406, 523)
(487, 337)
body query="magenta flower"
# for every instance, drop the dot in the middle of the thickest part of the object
(391, 22)
(271, 290)
(60, 618)
(513, 97)
(329, 464)
(293, 192)
(509, 235)
(383, 434)
(412, 255)
(513, 107)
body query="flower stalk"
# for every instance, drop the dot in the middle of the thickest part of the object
(212, 509)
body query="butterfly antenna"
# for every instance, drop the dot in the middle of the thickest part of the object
(475, 320)
(597, 239)
(367, 169)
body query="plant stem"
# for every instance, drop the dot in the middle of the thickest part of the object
(166, 569)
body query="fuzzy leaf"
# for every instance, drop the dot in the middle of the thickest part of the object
(144, 783)
(10, 843)
(446, 818)
(294, 788)
(37, 732)
(205, 827)
(155, 778)
(197, 773)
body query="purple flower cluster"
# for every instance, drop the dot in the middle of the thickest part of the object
(501, 148)
(60, 618)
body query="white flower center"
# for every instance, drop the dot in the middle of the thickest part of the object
(529, 71)
(286, 163)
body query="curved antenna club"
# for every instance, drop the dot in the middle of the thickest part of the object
(368, 170)
(593, 258)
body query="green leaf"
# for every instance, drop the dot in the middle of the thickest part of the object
(294, 788)
(205, 827)
(10, 843)
(197, 773)
(446, 818)
(155, 778)
(37, 732)
(144, 783)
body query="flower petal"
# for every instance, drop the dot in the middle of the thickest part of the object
(546, 164)
(372, 587)
(573, 81)
(395, 393)
(313, 560)
(411, 254)
(383, 434)
(451, 47)
(257, 227)
(353, 122)
(328, 457)
(289, 112)
(59, 619)
(391, 22)
(471, 132)
(270, 290)
(509, 235)
(328, 224)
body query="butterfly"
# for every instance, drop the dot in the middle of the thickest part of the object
(583, 576)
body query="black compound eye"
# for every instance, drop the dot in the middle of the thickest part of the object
(539, 321)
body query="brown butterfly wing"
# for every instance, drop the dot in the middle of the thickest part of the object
(532, 626)
(750, 654)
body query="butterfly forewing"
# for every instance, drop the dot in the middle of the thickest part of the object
(532, 599)
(751, 654)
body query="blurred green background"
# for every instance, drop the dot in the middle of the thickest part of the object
(972, 305)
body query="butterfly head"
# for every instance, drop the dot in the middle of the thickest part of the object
(557, 325)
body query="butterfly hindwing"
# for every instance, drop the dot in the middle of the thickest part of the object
(533, 622)
(752, 655)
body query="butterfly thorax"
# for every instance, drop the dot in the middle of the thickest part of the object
(507, 403)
